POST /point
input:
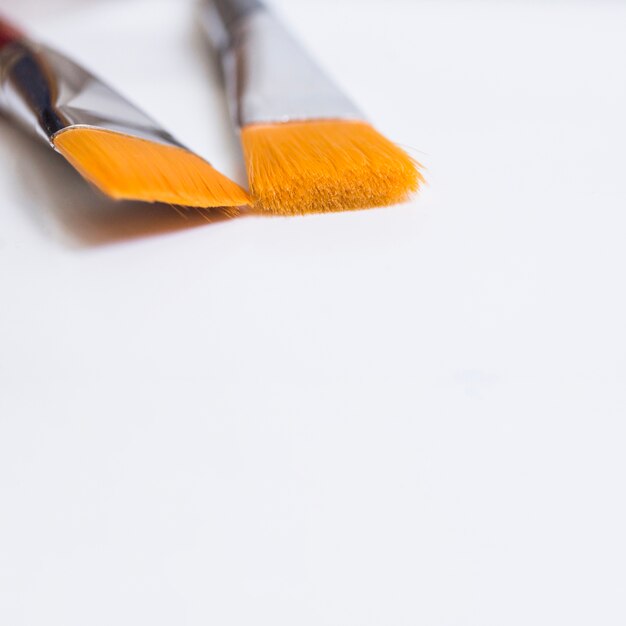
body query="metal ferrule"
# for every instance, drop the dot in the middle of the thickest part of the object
(269, 76)
(47, 92)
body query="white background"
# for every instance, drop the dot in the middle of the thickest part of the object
(412, 415)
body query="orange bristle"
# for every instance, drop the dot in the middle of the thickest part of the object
(127, 167)
(322, 166)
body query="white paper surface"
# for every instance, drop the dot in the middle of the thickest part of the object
(412, 415)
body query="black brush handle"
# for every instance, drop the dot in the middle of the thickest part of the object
(231, 11)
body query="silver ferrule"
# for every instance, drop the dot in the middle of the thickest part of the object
(269, 76)
(47, 93)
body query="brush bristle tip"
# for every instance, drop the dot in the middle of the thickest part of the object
(323, 166)
(131, 168)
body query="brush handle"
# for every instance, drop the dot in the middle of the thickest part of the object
(230, 11)
(220, 19)
(8, 33)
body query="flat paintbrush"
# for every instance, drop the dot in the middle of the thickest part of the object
(107, 139)
(307, 147)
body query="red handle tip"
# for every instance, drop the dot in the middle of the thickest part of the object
(8, 33)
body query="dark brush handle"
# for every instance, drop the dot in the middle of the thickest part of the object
(231, 11)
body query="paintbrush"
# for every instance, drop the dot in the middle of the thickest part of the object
(307, 147)
(108, 140)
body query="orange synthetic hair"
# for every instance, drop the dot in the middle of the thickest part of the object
(321, 166)
(124, 166)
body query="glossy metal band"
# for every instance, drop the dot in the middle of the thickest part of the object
(48, 93)
(269, 76)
